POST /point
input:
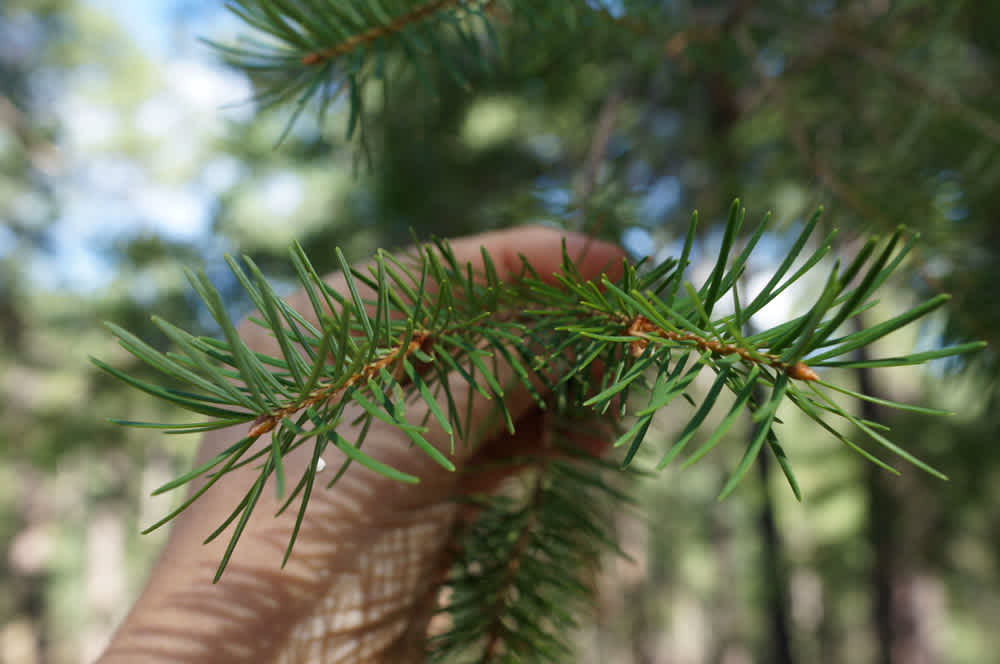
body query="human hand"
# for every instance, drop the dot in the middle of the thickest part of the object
(361, 582)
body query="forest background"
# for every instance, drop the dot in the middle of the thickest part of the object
(120, 162)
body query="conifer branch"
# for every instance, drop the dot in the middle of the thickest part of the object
(324, 392)
(321, 50)
(524, 569)
(404, 333)
(640, 326)
(402, 330)
(651, 331)
(301, 52)
(401, 22)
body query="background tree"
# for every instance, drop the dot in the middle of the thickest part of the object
(884, 112)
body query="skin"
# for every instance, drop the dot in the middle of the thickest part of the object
(361, 582)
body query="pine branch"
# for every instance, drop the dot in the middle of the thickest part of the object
(506, 601)
(426, 319)
(403, 330)
(397, 24)
(640, 327)
(322, 48)
(404, 327)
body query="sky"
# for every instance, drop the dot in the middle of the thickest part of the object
(104, 192)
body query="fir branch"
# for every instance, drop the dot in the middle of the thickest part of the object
(640, 326)
(423, 321)
(325, 392)
(301, 52)
(398, 23)
(524, 565)
(323, 49)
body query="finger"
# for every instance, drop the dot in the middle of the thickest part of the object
(542, 248)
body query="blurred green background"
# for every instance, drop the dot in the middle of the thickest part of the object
(125, 154)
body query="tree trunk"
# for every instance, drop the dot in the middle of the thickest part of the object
(896, 613)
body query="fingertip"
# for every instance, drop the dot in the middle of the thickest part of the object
(542, 248)
(594, 257)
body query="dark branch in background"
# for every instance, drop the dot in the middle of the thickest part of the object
(606, 120)
(894, 610)
(799, 137)
(598, 147)
(882, 535)
(945, 98)
(774, 564)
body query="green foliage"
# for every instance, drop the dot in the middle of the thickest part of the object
(322, 49)
(508, 554)
(883, 111)
(336, 47)
(405, 324)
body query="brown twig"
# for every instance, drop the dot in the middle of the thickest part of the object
(799, 138)
(640, 326)
(399, 23)
(268, 422)
(493, 638)
(595, 156)
(945, 98)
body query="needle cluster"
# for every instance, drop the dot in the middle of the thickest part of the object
(426, 317)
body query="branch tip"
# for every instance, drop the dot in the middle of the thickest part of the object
(642, 327)
(398, 24)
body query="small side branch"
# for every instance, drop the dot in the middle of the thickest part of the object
(641, 326)
(398, 24)
(494, 637)
(324, 392)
